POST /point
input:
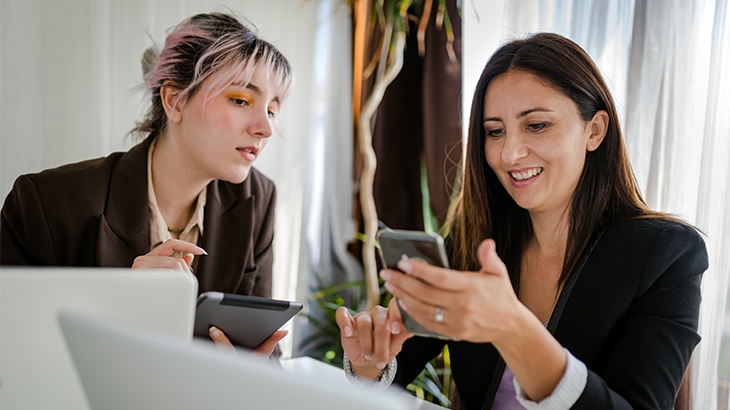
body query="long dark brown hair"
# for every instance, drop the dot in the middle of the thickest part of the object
(607, 188)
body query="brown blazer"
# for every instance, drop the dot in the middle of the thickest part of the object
(95, 213)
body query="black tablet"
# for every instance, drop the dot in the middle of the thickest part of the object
(247, 321)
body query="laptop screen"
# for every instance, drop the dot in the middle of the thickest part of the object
(36, 370)
(127, 368)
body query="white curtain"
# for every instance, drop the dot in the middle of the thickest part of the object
(69, 77)
(328, 198)
(668, 65)
(677, 130)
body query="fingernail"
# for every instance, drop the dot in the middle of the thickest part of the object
(405, 265)
(389, 287)
(402, 305)
(385, 275)
(214, 331)
(380, 365)
(286, 332)
(395, 328)
(203, 250)
(368, 357)
(347, 331)
(382, 317)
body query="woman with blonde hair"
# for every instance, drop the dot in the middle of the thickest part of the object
(187, 187)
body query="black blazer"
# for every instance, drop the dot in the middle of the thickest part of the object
(629, 311)
(96, 213)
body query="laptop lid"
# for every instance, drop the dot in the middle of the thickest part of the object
(128, 368)
(36, 371)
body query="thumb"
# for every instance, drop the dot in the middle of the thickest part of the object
(188, 258)
(268, 346)
(488, 258)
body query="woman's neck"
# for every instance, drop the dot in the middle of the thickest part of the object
(550, 233)
(175, 188)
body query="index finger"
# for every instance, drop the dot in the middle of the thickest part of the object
(170, 246)
(442, 278)
(345, 321)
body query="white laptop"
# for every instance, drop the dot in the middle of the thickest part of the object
(36, 370)
(128, 368)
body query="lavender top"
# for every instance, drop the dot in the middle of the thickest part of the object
(506, 398)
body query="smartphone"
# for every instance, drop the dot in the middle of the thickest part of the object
(247, 321)
(399, 244)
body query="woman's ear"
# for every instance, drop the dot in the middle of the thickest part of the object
(598, 126)
(169, 96)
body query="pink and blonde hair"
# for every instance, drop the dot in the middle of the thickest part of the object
(198, 47)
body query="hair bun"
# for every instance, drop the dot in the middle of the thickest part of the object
(149, 62)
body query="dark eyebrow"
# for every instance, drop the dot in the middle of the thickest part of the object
(520, 115)
(256, 90)
(531, 110)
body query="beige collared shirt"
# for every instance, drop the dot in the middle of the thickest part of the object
(158, 228)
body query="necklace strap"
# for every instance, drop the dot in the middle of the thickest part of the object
(175, 230)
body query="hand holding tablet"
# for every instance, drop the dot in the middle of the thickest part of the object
(247, 321)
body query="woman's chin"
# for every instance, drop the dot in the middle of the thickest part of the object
(528, 204)
(237, 177)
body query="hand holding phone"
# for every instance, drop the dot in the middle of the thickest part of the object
(398, 244)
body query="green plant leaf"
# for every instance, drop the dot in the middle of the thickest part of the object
(430, 371)
(337, 288)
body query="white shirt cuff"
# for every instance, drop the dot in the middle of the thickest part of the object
(382, 382)
(567, 391)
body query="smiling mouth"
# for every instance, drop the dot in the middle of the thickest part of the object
(249, 150)
(525, 175)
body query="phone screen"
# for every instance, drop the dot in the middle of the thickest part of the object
(426, 249)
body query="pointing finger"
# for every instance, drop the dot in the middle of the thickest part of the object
(170, 246)
(345, 322)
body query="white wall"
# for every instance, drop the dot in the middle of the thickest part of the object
(68, 72)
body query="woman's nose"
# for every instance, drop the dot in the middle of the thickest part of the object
(261, 126)
(514, 149)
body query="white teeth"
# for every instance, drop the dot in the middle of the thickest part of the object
(521, 176)
(248, 150)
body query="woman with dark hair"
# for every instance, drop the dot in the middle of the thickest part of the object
(216, 89)
(568, 292)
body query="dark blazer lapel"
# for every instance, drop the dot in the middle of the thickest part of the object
(124, 231)
(227, 237)
(557, 314)
(554, 320)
